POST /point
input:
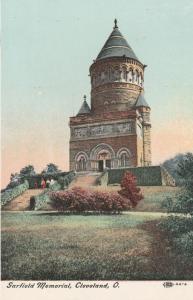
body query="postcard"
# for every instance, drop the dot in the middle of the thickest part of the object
(97, 149)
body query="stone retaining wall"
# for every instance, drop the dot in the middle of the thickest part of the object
(146, 176)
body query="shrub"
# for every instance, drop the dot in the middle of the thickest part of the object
(129, 189)
(64, 181)
(41, 199)
(80, 200)
(10, 194)
(44, 197)
(175, 225)
(184, 244)
(185, 171)
(182, 203)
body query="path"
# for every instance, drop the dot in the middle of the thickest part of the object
(21, 202)
(85, 180)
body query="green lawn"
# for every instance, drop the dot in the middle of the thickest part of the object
(48, 246)
(42, 245)
(153, 196)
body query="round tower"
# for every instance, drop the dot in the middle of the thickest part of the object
(117, 76)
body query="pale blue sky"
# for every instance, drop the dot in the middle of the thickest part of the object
(48, 46)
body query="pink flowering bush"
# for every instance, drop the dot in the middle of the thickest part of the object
(79, 200)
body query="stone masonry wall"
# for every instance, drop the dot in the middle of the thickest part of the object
(115, 142)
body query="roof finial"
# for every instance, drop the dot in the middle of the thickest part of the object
(84, 97)
(115, 21)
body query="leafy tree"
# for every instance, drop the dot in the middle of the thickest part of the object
(171, 165)
(51, 168)
(183, 203)
(15, 179)
(28, 170)
(185, 171)
(129, 189)
(15, 176)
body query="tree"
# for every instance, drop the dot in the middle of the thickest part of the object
(171, 166)
(27, 170)
(183, 202)
(51, 168)
(15, 179)
(129, 189)
(185, 171)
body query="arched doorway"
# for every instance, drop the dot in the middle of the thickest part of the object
(102, 157)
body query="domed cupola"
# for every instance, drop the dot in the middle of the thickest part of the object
(116, 75)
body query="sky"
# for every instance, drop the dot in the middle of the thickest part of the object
(47, 49)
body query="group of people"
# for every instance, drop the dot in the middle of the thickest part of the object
(45, 183)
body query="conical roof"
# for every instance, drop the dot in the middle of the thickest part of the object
(141, 101)
(116, 46)
(85, 109)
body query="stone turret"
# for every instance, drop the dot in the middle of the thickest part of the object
(116, 75)
(85, 109)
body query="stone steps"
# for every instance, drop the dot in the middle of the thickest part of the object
(85, 180)
(22, 202)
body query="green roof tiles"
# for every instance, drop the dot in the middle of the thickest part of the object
(85, 109)
(141, 101)
(116, 46)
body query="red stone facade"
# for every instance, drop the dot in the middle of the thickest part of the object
(115, 132)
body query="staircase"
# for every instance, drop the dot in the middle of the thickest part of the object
(85, 179)
(21, 202)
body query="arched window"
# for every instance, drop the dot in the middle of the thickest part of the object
(136, 77)
(124, 160)
(103, 75)
(130, 75)
(124, 74)
(81, 164)
(140, 79)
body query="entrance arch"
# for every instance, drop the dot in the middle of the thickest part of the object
(102, 157)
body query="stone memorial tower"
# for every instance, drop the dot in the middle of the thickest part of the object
(115, 130)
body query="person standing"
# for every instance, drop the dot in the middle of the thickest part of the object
(52, 181)
(43, 183)
(35, 185)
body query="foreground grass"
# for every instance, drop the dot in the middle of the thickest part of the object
(47, 246)
(154, 196)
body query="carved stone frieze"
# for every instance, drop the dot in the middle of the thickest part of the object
(102, 130)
